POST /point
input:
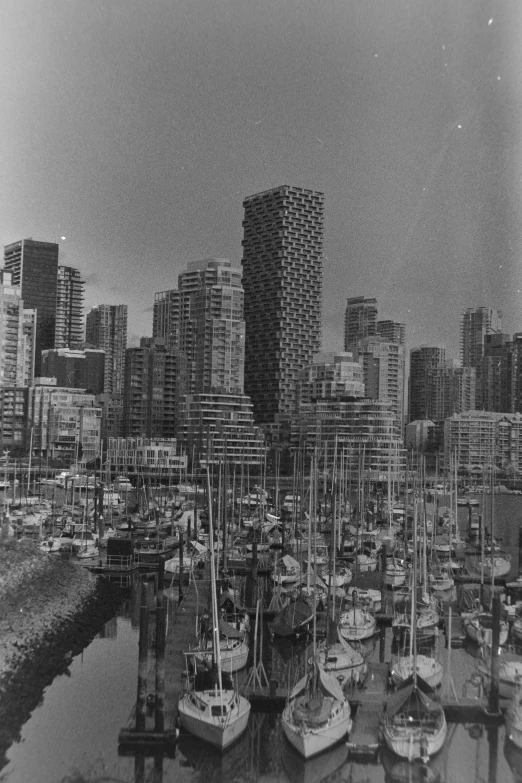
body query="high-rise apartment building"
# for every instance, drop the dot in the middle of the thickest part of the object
(391, 331)
(212, 326)
(17, 335)
(75, 369)
(475, 324)
(449, 389)
(422, 360)
(330, 376)
(383, 367)
(282, 279)
(69, 308)
(360, 320)
(166, 318)
(34, 268)
(106, 328)
(153, 376)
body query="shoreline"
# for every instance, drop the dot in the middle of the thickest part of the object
(50, 609)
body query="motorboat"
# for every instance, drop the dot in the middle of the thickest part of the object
(496, 566)
(317, 714)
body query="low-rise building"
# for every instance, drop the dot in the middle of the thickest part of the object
(146, 458)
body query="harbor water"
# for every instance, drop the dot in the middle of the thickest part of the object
(72, 735)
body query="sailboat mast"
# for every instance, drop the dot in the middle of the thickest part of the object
(215, 619)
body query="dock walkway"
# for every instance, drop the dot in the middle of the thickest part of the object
(365, 735)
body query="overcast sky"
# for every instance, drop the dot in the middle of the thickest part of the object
(133, 129)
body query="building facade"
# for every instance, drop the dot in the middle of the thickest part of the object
(330, 375)
(166, 318)
(282, 280)
(155, 380)
(475, 324)
(65, 422)
(70, 293)
(392, 331)
(422, 360)
(34, 268)
(106, 329)
(14, 428)
(384, 369)
(360, 320)
(478, 439)
(145, 459)
(449, 389)
(219, 428)
(80, 369)
(17, 335)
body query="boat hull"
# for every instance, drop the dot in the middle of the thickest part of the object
(310, 741)
(414, 743)
(217, 732)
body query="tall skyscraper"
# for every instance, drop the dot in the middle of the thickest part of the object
(69, 308)
(34, 268)
(449, 389)
(282, 279)
(360, 320)
(153, 376)
(212, 326)
(166, 318)
(475, 324)
(106, 328)
(422, 360)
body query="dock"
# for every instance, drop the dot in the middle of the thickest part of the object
(365, 735)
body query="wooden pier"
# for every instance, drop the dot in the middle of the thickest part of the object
(365, 735)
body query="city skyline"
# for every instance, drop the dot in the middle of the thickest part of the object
(121, 137)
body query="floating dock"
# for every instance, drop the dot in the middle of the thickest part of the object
(365, 735)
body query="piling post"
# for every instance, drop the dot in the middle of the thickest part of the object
(493, 753)
(384, 563)
(180, 595)
(520, 551)
(495, 644)
(141, 701)
(254, 559)
(160, 649)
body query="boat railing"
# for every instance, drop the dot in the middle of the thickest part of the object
(120, 562)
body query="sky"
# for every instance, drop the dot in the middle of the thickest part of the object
(132, 131)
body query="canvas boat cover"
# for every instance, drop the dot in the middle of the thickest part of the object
(414, 699)
(293, 617)
(225, 629)
(202, 550)
(290, 562)
(328, 683)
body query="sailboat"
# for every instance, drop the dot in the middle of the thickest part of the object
(414, 724)
(317, 715)
(218, 715)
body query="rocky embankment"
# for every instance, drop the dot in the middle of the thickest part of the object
(50, 609)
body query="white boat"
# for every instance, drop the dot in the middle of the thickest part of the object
(317, 715)
(414, 725)
(426, 618)
(123, 484)
(218, 716)
(366, 597)
(509, 673)
(428, 668)
(87, 551)
(357, 623)
(340, 658)
(365, 563)
(440, 579)
(288, 571)
(341, 577)
(479, 626)
(395, 575)
(497, 565)
(233, 653)
(514, 717)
